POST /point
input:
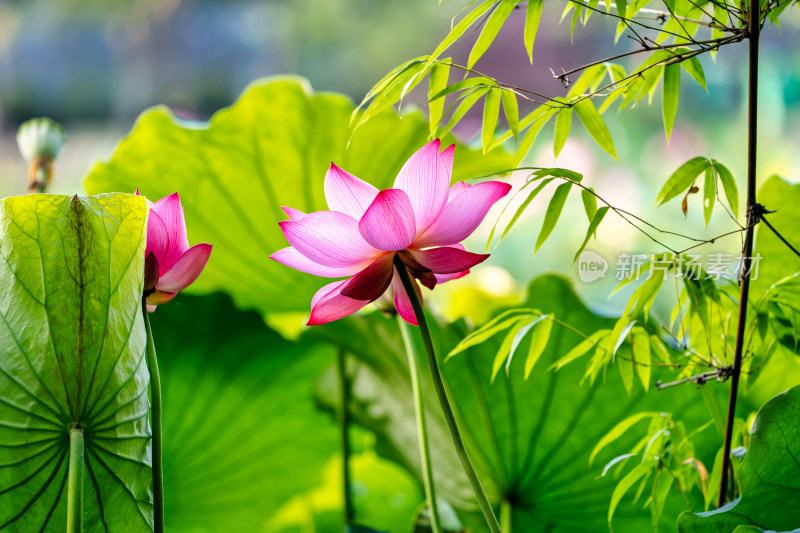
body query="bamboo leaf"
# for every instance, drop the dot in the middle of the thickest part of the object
(490, 30)
(598, 217)
(669, 103)
(728, 185)
(468, 83)
(468, 100)
(459, 29)
(594, 124)
(709, 193)
(695, 70)
(681, 179)
(488, 330)
(532, 17)
(619, 430)
(511, 343)
(553, 213)
(563, 124)
(589, 203)
(593, 341)
(521, 209)
(511, 111)
(491, 112)
(440, 75)
(539, 339)
(640, 352)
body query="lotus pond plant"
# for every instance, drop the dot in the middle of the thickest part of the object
(392, 238)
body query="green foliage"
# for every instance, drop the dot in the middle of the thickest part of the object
(530, 439)
(242, 435)
(270, 149)
(682, 181)
(73, 351)
(769, 477)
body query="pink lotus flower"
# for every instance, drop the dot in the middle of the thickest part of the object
(421, 220)
(170, 264)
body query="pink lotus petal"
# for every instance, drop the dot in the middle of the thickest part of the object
(401, 301)
(328, 304)
(388, 223)
(329, 238)
(185, 270)
(444, 278)
(294, 259)
(159, 297)
(292, 213)
(346, 193)
(157, 237)
(371, 282)
(170, 210)
(426, 180)
(463, 214)
(151, 308)
(457, 188)
(447, 260)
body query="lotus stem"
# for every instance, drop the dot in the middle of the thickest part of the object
(344, 424)
(75, 481)
(422, 427)
(441, 393)
(155, 415)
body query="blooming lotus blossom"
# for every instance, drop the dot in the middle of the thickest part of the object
(422, 221)
(170, 264)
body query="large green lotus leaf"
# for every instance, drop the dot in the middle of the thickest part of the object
(777, 260)
(242, 434)
(271, 148)
(769, 478)
(72, 345)
(529, 440)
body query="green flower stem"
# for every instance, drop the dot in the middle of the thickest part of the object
(441, 393)
(505, 517)
(155, 415)
(75, 481)
(344, 424)
(422, 428)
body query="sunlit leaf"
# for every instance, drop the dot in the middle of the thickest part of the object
(563, 125)
(463, 25)
(467, 100)
(709, 193)
(682, 179)
(594, 124)
(593, 225)
(672, 88)
(490, 30)
(533, 15)
(618, 431)
(511, 111)
(728, 185)
(589, 203)
(491, 112)
(440, 75)
(539, 338)
(553, 213)
(475, 81)
(72, 340)
(624, 486)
